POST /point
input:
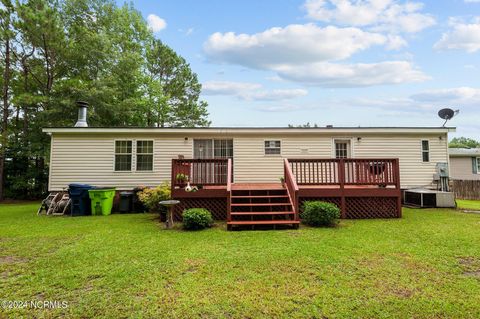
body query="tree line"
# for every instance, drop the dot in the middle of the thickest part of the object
(464, 142)
(54, 53)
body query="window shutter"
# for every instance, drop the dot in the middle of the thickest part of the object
(474, 165)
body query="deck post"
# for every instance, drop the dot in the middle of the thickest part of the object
(396, 164)
(341, 179)
(172, 183)
(229, 189)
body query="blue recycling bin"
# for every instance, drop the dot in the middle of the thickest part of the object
(80, 199)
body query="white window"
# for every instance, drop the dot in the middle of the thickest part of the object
(123, 155)
(272, 147)
(144, 155)
(425, 151)
(342, 149)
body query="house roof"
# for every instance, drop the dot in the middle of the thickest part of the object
(464, 152)
(250, 130)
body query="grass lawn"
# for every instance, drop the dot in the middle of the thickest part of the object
(468, 204)
(425, 265)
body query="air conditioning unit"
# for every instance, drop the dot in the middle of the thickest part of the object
(429, 198)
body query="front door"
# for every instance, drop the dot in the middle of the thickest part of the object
(208, 148)
(202, 148)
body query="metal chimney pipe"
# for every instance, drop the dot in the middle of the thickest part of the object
(82, 114)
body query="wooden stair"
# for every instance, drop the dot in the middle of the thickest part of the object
(257, 207)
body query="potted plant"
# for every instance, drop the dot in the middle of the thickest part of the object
(282, 180)
(181, 179)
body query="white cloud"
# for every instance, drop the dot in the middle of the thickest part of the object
(282, 108)
(463, 96)
(228, 88)
(387, 15)
(274, 78)
(352, 75)
(274, 95)
(291, 44)
(155, 23)
(463, 36)
(305, 53)
(250, 91)
(395, 42)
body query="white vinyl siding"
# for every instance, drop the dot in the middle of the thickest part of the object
(413, 171)
(252, 166)
(88, 158)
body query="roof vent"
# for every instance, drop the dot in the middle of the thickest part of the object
(82, 114)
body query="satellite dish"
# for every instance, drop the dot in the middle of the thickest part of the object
(447, 114)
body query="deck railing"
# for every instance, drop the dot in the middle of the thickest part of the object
(205, 172)
(349, 171)
(291, 186)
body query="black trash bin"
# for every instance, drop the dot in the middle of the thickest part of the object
(126, 202)
(80, 199)
(138, 206)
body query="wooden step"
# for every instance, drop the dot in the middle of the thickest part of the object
(264, 222)
(260, 204)
(260, 213)
(260, 196)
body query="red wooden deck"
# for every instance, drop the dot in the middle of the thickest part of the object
(361, 188)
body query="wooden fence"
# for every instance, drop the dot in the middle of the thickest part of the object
(464, 189)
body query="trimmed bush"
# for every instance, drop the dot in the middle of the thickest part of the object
(150, 197)
(316, 213)
(197, 218)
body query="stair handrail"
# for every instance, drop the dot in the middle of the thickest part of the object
(292, 187)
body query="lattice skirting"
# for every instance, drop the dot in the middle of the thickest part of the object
(217, 206)
(363, 207)
(372, 207)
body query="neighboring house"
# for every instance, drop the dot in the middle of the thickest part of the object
(237, 170)
(464, 163)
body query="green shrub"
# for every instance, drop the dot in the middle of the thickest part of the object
(150, 197)
(316, 213)
(197, 218)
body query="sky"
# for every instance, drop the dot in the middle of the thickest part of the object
(329, 62)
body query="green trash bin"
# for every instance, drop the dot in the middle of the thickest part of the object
(101, 200)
